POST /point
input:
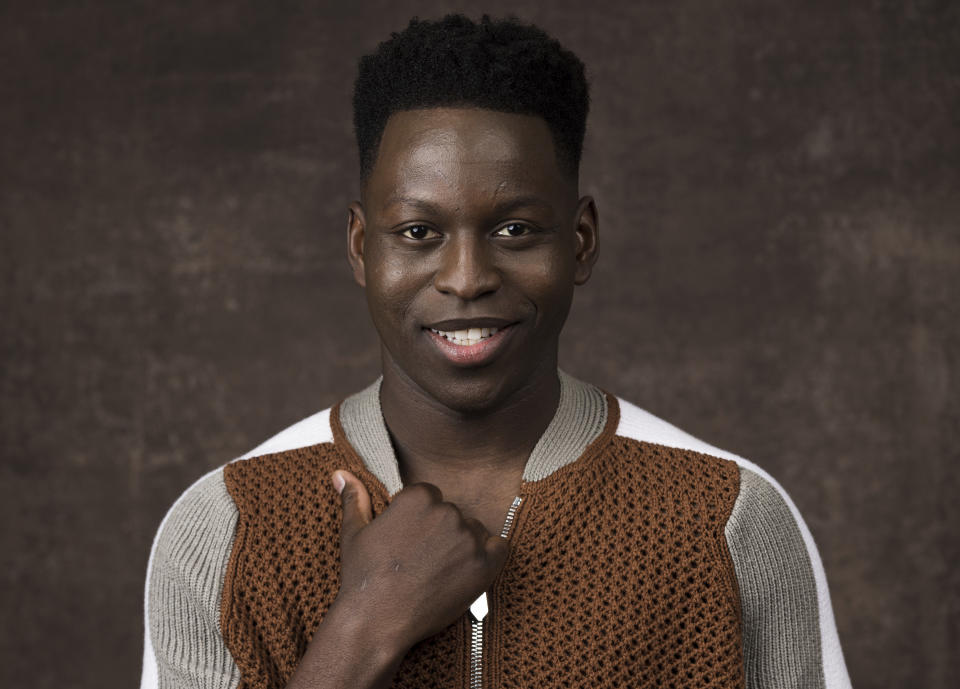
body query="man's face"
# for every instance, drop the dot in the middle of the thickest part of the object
(469, 241)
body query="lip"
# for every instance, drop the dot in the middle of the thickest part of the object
(477, 354)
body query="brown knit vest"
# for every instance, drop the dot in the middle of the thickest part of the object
(619, 574)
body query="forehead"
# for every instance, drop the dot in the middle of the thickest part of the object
(465, 148)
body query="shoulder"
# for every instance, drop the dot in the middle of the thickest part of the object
(190, 551)
(761, 498)
(775, 559)
(206, 506)
(197, 532)
(313, 430)
(639, 424)
(188, 564)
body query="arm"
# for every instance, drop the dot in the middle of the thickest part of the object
(183, 646)
(405, 576)
(789, 637)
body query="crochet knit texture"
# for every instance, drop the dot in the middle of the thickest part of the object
(619, 573)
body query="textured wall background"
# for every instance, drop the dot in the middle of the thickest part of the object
(778, 185)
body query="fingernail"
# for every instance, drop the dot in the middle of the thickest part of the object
(338, 482)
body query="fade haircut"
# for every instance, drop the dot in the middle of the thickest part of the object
(501, 65)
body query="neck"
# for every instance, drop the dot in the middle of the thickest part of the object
(433, 440)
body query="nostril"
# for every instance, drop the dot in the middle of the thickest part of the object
(467, 279)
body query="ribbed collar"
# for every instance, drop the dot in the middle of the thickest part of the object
(580, 417)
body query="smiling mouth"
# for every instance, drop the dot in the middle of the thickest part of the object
(470, 343)
(466, 337)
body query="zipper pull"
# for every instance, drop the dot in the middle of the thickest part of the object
(478, 609)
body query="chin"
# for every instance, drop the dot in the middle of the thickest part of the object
(470, 394)
(467, 390)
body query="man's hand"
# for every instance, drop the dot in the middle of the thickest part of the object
(416, 567)
(405, 576)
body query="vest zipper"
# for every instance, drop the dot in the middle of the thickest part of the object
(478, 611)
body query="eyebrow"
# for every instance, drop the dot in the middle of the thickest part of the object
(505, 206)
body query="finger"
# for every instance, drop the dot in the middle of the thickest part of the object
(478, 531)
(357, 511)
(497, 551)
(434, 494)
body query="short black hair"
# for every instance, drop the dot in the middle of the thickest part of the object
(501, 65)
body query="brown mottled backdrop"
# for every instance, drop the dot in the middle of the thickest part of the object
(779, 187)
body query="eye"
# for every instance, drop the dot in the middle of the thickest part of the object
(514, 229)
(419, 232)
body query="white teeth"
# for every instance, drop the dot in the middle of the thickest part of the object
(466, 337)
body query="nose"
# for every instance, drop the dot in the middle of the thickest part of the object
(466, 269)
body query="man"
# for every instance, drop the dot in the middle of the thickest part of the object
(475, 517)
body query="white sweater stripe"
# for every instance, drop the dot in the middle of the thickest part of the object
(643, 426)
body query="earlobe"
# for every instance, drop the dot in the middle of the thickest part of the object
(588, 239)
(356, 224)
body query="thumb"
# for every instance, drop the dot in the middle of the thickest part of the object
(357, 512)
(498, 549)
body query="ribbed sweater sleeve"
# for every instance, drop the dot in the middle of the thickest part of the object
(183, 647)
(787, 642)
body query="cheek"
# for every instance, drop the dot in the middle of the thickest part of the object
(547, 279)
(393, 281)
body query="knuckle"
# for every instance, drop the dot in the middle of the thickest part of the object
(433, 492)
(428, 491)
(475, 538)
(450, 512)
(476, 527)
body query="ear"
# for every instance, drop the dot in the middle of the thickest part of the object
(587, 239)
(356, 226)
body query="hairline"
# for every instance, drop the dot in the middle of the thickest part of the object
(568, 168)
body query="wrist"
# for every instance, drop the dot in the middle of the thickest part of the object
(349, 649)
(371, 629)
